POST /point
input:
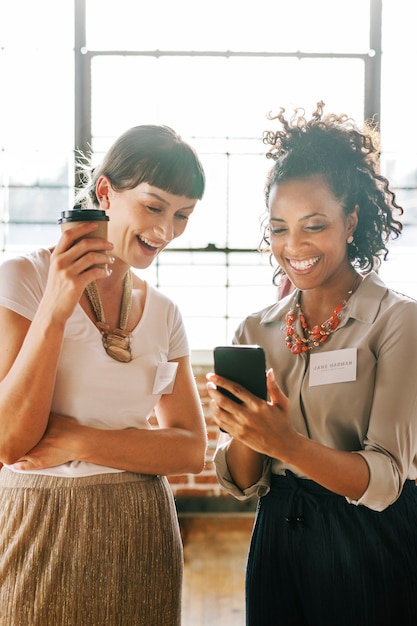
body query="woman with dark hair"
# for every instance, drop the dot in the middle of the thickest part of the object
(332, 454)
(88, 528)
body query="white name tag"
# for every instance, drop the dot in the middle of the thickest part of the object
(164, 377)
(338, 366)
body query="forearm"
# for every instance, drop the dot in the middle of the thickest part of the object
(342, 472)
(27, 384)
(245, 465)
(163, 451)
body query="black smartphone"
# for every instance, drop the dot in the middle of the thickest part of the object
(245, 365)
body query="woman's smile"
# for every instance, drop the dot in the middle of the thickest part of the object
(148, 246)
(304, 265)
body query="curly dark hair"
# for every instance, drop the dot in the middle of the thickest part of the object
(347, 157)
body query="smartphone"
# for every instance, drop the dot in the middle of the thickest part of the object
(245, 365)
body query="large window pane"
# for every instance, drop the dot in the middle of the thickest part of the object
(220, 104)
(231, 25)
(216, 96)
(399, 135)
(36, 119)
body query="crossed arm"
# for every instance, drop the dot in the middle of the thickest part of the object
(34, 438)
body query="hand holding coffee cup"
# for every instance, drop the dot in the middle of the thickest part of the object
(77, 215)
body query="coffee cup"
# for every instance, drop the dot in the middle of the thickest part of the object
(72, 217)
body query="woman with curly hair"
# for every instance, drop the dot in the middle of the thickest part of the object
(332, 454)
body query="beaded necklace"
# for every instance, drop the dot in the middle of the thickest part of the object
(318, 334)
(116, 341)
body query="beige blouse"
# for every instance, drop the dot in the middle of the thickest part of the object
(371, 411)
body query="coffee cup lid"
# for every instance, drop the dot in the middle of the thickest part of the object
(78, 214)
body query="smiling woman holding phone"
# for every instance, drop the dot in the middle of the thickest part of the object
(332, 455)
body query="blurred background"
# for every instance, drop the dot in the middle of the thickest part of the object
(74, 74)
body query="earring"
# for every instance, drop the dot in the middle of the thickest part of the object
(349, 239)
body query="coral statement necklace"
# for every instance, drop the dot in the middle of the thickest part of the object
(318, 334)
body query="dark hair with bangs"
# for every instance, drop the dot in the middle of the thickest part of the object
(151, 154)
(347, 158)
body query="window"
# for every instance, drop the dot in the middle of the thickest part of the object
(399, 136)
(36, 121)
(212, 71)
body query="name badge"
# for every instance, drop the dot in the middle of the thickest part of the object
(338, 366)
(166, 373)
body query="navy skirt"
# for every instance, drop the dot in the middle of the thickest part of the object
(316, 560)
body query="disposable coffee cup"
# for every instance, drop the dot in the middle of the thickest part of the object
(72, 217)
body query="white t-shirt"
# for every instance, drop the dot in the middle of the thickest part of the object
(91, 386)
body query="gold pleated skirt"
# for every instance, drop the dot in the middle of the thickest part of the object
(96, 551)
